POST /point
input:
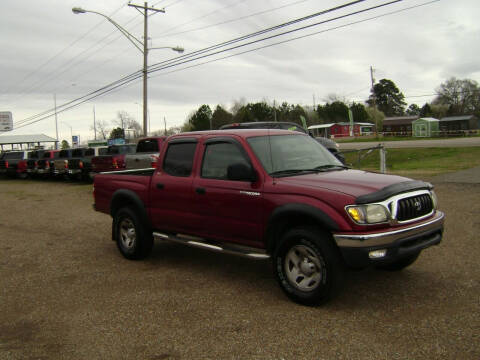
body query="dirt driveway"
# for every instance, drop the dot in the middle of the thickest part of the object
(66, 293)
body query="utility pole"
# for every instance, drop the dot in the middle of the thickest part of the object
(145, 58)
(165, 123)
(94, 124)
(373, 84)
(373, 98)
(56, 120)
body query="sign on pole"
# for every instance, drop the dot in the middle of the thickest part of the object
(6, 121)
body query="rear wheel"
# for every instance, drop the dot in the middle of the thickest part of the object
(308, 267)
(131, 235)
(400, 264)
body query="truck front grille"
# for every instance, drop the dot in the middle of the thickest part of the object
(414, 207)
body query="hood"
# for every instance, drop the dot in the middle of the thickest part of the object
(351, 182)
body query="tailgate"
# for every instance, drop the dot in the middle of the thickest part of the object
(105, 186)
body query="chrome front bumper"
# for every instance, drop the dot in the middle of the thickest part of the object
(396, 244)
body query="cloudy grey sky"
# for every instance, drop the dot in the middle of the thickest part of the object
(48, 51)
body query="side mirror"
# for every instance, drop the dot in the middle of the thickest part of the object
(241, 172)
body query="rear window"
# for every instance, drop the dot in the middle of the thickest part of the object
(64, 153)
(90, 152)
(147, 146)
(13, 155)
(103, 151)
(179, 159)
(33, 155)
(121, 149)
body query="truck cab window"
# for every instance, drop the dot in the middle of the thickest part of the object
(218, 157)
(179, 159)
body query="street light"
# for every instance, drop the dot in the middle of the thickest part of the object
(140, 45)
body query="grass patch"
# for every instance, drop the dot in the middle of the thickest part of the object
(425, 161)
(396, 138)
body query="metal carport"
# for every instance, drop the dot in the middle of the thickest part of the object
(25, 141)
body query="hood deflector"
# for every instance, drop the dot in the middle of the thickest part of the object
(393, 189)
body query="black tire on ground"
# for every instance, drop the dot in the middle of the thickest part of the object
(133, 238)
(308, 266)
(400, 264)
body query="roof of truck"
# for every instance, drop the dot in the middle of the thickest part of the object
(244, 133)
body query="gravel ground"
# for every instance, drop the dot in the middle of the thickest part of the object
(66, 293)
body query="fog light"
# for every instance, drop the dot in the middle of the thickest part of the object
(377, 254)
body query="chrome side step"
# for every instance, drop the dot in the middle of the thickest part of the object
(252, 253)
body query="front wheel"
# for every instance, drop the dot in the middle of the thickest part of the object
(308, 267)
(131, 235)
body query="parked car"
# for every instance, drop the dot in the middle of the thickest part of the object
(60, 164)
(14, 164)
(45, 166)
(32, 162)
(331, 145)
(272, 194)
(80, 165)
(114, 160)
(146, 153)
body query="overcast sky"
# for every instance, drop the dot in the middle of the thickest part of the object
(48, 51)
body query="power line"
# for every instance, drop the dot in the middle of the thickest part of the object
(177, 60)
(159, 66)
(52, 58)
(129, 79)
(233, 20)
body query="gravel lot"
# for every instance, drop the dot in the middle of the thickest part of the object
(66, 293)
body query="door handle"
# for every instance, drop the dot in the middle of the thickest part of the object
(200, 191)
(160, 186)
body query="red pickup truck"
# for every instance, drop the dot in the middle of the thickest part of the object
(271, 193)
(113, 160)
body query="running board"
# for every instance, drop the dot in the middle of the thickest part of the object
(252, 253)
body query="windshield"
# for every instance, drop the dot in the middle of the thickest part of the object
(284, 155)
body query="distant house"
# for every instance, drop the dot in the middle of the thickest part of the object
(399, 124)
(456, 123)
(342, 129)
(425, 127)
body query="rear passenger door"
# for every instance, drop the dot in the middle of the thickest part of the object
(230, 210)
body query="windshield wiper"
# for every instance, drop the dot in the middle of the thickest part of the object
(331, 167)
(317, 169)
(290, 172)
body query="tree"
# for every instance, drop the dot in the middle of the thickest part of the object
(221, 117)
(461, 96)
(125, 121)
(102, 128)
(200, 119)
(413, 109)
(359, 112)
(65, 145)
(426, 110)
(117, 133)
(388, 98)
(336, 111)
(376, 117)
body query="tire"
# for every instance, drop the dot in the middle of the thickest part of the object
(308, 266)
(400, 264)
(132, 236)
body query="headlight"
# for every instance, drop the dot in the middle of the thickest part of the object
(368, 214)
